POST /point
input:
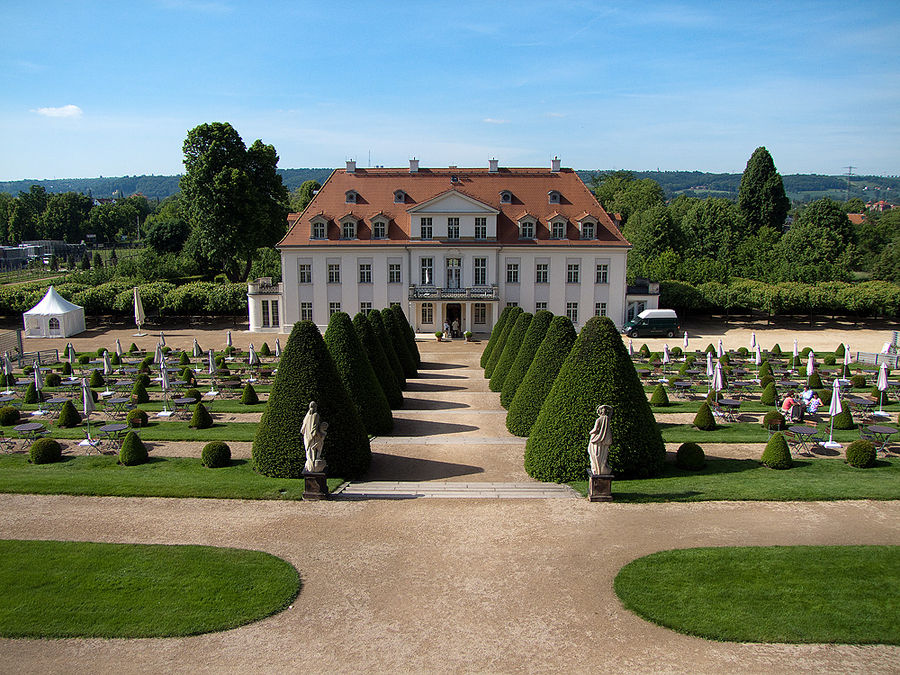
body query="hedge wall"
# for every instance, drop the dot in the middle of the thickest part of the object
(495, 335)
(387, 344)
(497, 351)
(410, 334)
(394, 331)
(510, 351)
(535, 334)
(379, 360)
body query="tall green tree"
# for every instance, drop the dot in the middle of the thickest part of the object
(302, 196)
(819, 246)
(234, 199)
(761, 197)
(65, 217)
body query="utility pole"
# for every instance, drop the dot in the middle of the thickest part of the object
(849, 176)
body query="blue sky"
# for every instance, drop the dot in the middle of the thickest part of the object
(97, 88)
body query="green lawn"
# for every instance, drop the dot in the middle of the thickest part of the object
(745, 479)
(160, 477)
(161, 431)
(736, 432)
(682, 406)
(58, 589)
(823, 594)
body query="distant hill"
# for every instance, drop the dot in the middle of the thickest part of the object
(800, 187)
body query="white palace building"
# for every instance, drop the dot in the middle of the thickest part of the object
(449, 244)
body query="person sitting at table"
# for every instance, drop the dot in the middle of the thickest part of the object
(807, 394)
(814, 404)
(788, 402)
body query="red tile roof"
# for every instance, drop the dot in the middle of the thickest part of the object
(529, 187)
(857, 218)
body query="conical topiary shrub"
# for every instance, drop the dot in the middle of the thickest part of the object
(184, 359)
(644, 351)
(115, 359)
(394, 330)
(769, 395)
(379, 360)
(710, 349)
(137, 418)
(66, 369)
(704, 420)
(248, 396)
(881, 397)
(596, 372)
(777, 455)
(32, 395)
(201, 419)
(133, 349)
(497, 352)
(825, 395)
(307, 373)
(264, 349)
(773, 420)
(537, 329)
(133, 450)
(357, 375)
(139, 392)
(776, 350)
(401, 320)
(796, 361)
(495, 335)
(97, 379)
(68, 416)
(510, 351)
(840, 351)
(659, 398)
(545, 366)
(815, 382)
(765, 369)
(766, 381)
(844, 420)
(387, 344)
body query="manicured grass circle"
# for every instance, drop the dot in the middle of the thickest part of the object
(56, 589)
(823, 594)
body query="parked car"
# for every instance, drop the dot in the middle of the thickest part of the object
(653, 322)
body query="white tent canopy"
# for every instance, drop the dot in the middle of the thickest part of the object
(54, 316)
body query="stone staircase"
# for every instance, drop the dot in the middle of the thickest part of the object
(452, 490)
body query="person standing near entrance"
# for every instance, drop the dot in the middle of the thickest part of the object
(447, 329)
(455, 328)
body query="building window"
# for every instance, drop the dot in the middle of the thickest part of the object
(512, 304)
(379, 229)
(427, 313)
(276, 321)
(480, 313)
(426, 228)
(573, 273)
(350, 197)
(452, 228)
(512, 273)
(587, 230)
(53, 323)
(333, 308)
(318, 231)
(365, 307)
(526, 230)
(553, 197)
(399, 196)
(559, 230)
(304, 273)
(480, 267)
(600, 309)
(393, 273)
(506, 197)
(348, 231)
(334, 273)
(427, 271)
(265, 313)
(572, 311)
(602, 273)
(542, 273)
(306, 311)
(365, 273)
(538, 306)
(480, 228)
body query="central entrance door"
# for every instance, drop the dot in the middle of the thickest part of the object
(454, 314)
(453, 274)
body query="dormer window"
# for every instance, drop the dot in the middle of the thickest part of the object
(526, 229)
(348, 229)
(350, 197)
(318, 229)
(553, 197)
(506, 197)
(588, 229)
(399, 197)
(558, 229)
(379, 229)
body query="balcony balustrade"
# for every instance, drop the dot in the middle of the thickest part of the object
(481, 293)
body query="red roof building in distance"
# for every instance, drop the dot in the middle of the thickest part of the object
(452, 246)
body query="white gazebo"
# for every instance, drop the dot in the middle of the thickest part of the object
(54, 316)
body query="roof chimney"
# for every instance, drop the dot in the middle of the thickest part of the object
(492, 165)
(414, 165)
(351, 166)
(554, 165)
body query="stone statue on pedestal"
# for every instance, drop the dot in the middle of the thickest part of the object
(314, 430)
(599, 440)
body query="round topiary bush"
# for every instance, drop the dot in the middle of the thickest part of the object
(68, 416)
(215, 455)
(861, 454)
(704, 419)
(495, 335)
(777, 455)
(248, 397)
(829, 359)
(659, 399)
(193, 393)
(815, 382)
(690, 456)
(84, 359)
(137, 418)
(773, 420)
(743, 351)
(805, 352)
(510, 351)
(379, 360)
(201, 419)
(52, 380)
(801, 371)
(45, 451)
(9, 416)
(858, 381)
(133, 450)
(97, 379)
(677, 351)
(844, 420)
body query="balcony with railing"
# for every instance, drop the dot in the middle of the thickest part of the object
(263, 286)
(480, 293)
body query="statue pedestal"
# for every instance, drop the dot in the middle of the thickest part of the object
(600, 487)
(316, 486)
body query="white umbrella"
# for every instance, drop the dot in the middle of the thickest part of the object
(107, 364)
(253, 359)
(796, 351)
(757, 356)
(846, 355)
(211, 371)
(119, 351)
(718, 383)
(158, 355)
(710, 371)
(228, 338)
(886, 348)
(834, 409)
(882, 385)
(7, 370)
(38, 385)
(753, 340)
(139, 316)
(70, 354)
(810, 365)
(197, 351)
(278, 348)
(162, 338)
(87, 407)
(164, 385)
(685, 341)
(630, 348)
(720, 349)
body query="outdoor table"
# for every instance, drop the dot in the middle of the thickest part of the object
(116, 406)
(183, 405)
(230, 387)
(882, 434)
(789, 383)
(740, 385)
(861, 407)
(780, 372)
(124, 385)
(740, 371)
(683, 388)
(130, 371)
(692, 371)
(30, 431)
(54, 405)
(804, 435)
(8, 399)
(114, 433)
(730, 407)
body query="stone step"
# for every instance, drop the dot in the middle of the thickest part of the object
(452, 490)
(446, 439)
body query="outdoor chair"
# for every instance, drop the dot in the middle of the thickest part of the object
(867, 435)
(773, 429)
(796, 413)
(7, 444)
(791, 438)
(91, 444)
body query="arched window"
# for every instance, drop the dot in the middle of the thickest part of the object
(350, 196)
(399, 196)
(506, 197)
(553, 197)
(53, 323)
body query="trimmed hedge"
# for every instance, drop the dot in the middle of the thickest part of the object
(96, 379)
(704, 420)
(379, 360)
(307, 373)
(769, 395)
(387, 346)
(215, 455)
(408, 331)
(881, 397)
(815, 381)
(690, 456)
(514, 313)
(495, 335)
(52, 380)
(45, 451)
(133, 450)
(394, 330)
(773, 418)
(9, 416)
(137, 418)
(858, 381)
(777, 455)
(535, 334)
(68, 416)
(545, 366)
(356, 373)
(659, 399)
(597, 371)
(139, 392)
(861, 454)
(844, 420)
(248, 396)
(201, 419)
(510, 351)
(32, 395)
(264, 350)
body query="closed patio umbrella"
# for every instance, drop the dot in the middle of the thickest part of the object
(720, 349)
(158, 355)
(796, 351)
(753, 340)
(834, 409)
(718, 383)
(139, 316)
(253, 358)
(228, 338)
(87, 407)
(630, 348)
(665, 357)
(7, 370)
(278, 348)
(810, 366)
(197, 351)
(685, 341)
(846, 355)
(882, 385)
(107, 371)
(162, 338)
(38, 385)
(70, 354)
(710, 371)
(164, 385)
(757, 356)
(211, 371)
(119, 351)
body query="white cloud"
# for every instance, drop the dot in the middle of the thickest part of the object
(63, 111)
(491, 120)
